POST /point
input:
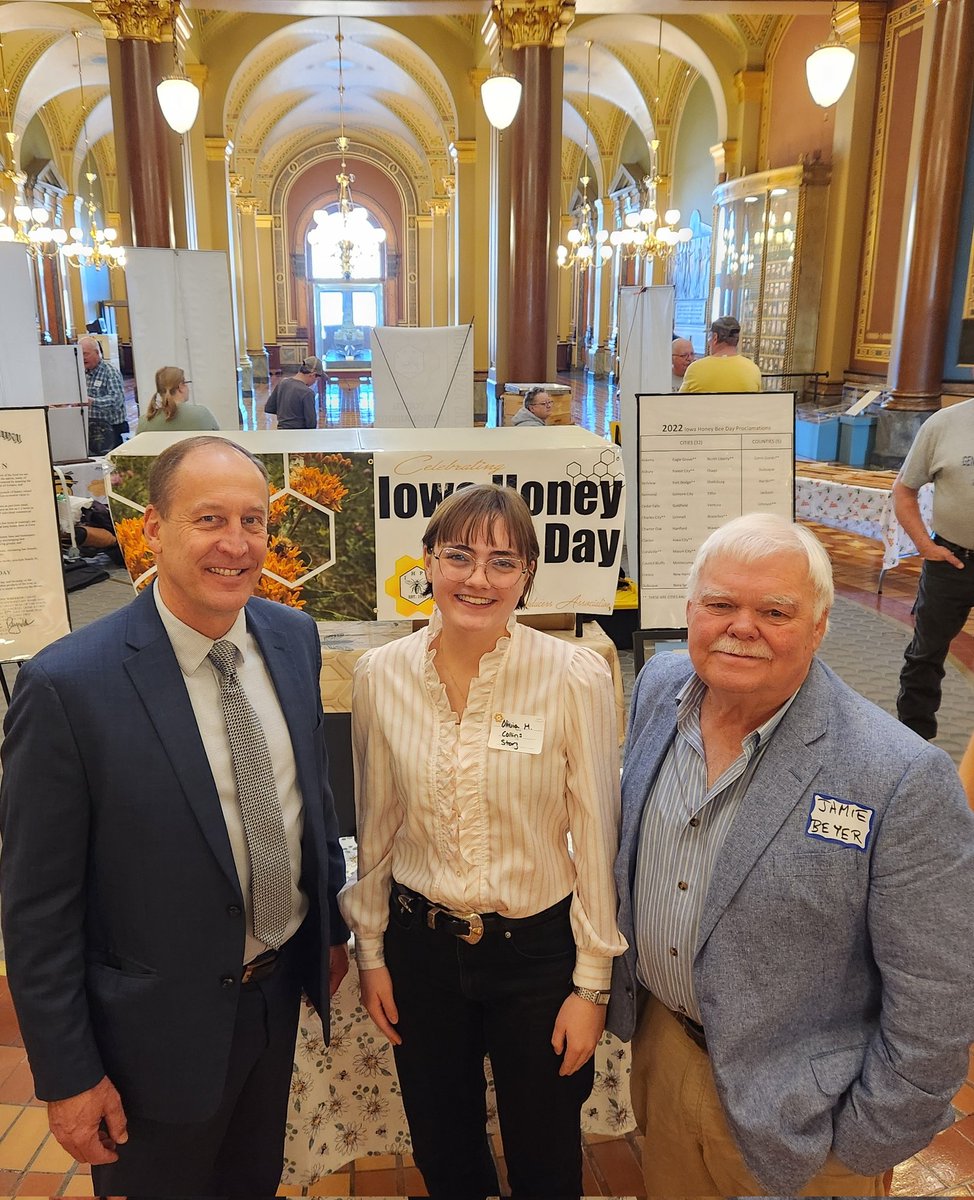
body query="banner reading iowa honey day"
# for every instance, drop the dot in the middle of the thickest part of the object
(348, 509)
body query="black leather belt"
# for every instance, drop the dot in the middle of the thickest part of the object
(260, 967)
(693, 1031)
(469, 927)
(957, 551)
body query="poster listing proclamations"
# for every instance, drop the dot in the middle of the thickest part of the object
(704, 459)
(33, 603)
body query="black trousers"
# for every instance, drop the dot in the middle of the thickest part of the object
(457, 1002)
(239, 1151)
(944, 599)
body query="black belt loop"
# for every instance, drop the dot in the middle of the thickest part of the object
(957, 551)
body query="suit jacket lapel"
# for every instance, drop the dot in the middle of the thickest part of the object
(156, 676)
(779, 783)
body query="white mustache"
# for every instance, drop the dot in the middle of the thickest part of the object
(729, 645)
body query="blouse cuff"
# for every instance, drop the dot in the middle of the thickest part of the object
(369, 953)
(591, 971)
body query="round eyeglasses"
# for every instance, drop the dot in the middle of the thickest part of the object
(501, 570)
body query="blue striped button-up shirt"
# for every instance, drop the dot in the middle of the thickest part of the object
(683, 828)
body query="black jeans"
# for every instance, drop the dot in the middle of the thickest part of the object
(944, 600)
(457, 1002)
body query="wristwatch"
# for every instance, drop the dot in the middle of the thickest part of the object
(593, 997)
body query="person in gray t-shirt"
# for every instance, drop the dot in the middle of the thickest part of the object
(293, 400)
(942, 454)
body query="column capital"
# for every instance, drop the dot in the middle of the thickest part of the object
(439, 206)
(477, 77)
(535, 22)
(136, 20)
(218, 149)
(424, 222)
(861, 22)
(724, 155)
(749, 85)
(236, 183)
(246, 204)
(449, 186)
(465, 149)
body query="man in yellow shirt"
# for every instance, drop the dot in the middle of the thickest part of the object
(724, 369)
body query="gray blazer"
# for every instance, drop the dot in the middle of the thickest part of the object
(836, 984)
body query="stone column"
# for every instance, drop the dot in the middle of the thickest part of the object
(749, 86)
(268, 284)
(424, 254)
(934, 209)
(250, 262)
(140, 29)
(245, 370)
(533, 29)
(468, 245)
(605, 279)
(439, 208)
(861, 28)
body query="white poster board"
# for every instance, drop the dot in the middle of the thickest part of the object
(349, 507)
(33, 602)
(181, 316)
(20, 366)
(423, 378)
(704, 459)
(63, 373)
(645, 365)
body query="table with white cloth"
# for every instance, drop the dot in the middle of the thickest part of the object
(345, 1101)
(860, 509)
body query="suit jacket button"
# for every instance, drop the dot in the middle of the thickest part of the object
(227, 981)
(234, 910)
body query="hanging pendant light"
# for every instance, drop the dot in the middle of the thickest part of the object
(587, 245)
(179, 97)
(828, 68)
(500, 93)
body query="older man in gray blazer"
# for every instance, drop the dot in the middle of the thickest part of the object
(795, 877)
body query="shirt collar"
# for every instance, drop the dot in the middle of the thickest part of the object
(189, 645)
(690, 697)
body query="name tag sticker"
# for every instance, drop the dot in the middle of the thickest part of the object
(516, 732)
(835, 820)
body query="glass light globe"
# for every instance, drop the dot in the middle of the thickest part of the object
(671, 216)
(21, 212)
(828, 70)
(605, 252)
(40, 215)
(632, 219)
(602, 236)
(60, 236)
(76, 233)
(6, 234)
(110, 234)
(574, 237)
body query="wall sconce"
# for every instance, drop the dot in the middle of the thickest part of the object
(828, 68)
(500, 93)
(179, 97)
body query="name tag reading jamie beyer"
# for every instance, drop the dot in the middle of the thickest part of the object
(836, 820)
(517, 733)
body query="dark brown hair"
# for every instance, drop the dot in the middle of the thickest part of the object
(164, 468)
(471, 512)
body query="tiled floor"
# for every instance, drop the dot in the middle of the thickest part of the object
(32, 1164)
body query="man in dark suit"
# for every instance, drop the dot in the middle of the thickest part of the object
(170, 857)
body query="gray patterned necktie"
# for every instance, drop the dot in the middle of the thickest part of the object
(270, 864)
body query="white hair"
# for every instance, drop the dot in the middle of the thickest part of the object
(761, 535)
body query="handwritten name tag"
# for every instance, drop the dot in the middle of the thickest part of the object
(835, 820)
(517, 733)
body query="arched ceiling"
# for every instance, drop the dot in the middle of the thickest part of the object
(288, 86)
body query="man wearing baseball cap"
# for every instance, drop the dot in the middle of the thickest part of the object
(293, 400)
(724, 369)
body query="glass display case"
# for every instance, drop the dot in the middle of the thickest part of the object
(769, 230)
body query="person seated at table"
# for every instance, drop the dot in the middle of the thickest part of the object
(170, 401)
(536, 408)
(480, 744)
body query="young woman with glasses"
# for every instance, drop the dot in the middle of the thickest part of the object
(480, 746)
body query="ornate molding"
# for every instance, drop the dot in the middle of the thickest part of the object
(439, 206)
(534, 22)
(136, 20)
(246, 204)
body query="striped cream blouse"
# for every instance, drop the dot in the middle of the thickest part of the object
(479, 829)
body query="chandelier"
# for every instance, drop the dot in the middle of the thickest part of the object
(179, 97)
(348, 229)
(645, 235)
(90, 247)
(587, 245)
(500, 93)
(27, 225)
(828, 68)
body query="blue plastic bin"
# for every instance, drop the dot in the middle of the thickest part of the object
(857, 437)
(817, 437)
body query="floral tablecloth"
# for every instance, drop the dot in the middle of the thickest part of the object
(345, 1099)
(864, 510)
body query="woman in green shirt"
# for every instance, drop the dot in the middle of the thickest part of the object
(170, 402)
